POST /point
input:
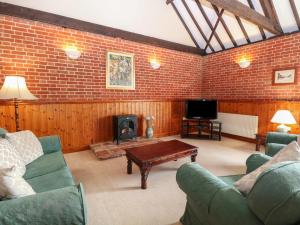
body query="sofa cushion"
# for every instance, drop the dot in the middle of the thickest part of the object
(27, 145)
(290, 153)
(45, 164)
(9, 157)
(275, 197)
(55, 180)
(12, 185)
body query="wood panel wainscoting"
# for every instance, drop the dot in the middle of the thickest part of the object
(82, 123)
(264, 109)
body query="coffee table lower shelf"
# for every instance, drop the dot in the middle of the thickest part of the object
(145, 157)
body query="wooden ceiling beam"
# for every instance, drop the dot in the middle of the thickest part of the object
(243, 28)
(225, 27)
(209, 24)
(186, 27)
(269, 11)
(295, 12)
(241, 10)
(215, 28)
(196, 24)
(261, 30)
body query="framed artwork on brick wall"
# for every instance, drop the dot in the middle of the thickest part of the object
(120, 71)
(284, 76)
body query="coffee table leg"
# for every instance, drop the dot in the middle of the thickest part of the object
(193, 158)
(144, 173)
(129, 166)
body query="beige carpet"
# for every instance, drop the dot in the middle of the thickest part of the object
(115, 198)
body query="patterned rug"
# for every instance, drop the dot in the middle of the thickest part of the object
(108, 150)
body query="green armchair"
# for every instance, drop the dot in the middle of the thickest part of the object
(275, 141)
(214, 200)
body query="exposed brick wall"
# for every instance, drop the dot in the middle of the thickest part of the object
(35, 50)
(224, 79)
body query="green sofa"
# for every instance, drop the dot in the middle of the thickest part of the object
(211, 200)
(276, 141)
(58, 200)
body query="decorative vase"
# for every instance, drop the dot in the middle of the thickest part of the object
(149, 129)
(149, 132)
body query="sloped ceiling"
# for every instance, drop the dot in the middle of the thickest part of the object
(152, 18)
(200, 17)
(187, 22)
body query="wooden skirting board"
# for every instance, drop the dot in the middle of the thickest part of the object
(82, 123)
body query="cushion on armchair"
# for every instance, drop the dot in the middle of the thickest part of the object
(290, 153)
(275, 197)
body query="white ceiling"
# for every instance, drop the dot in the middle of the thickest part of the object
(282, 7)
(148, 17)
(157, 19)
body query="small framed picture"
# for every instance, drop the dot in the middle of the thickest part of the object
(284, 76)
(120, 72)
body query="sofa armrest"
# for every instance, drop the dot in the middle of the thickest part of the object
(280, 138)
(57, 207)
(198, 184)
(256, 160)
(50, 144)
(210, 196)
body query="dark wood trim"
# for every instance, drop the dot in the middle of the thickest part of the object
(66, 22)
(209, 24)
(240, 138)
(243, 28)
(280, 69)
(225, 27)
(186, 27)
(270, 12)
(215, 27)
(256, 42)
(196, 24)
(243, 11)
(261, 30)
(295, 12)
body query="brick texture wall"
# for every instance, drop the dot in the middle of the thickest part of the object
(35, 50)
(224, 79)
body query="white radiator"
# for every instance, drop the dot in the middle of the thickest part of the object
(237, 124)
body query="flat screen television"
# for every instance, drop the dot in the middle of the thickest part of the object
(201, 109)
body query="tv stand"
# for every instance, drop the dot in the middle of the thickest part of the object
(201, 128)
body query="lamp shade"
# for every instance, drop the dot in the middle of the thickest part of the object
(15, 87)
(283, 117)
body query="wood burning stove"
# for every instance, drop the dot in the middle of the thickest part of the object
(125, 127)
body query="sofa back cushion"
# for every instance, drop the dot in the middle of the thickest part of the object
(275, 197)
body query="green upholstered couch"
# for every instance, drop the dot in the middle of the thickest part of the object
(276, 141)
(58, 200)
(211, 200)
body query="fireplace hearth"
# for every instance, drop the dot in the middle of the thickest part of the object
(125, 127)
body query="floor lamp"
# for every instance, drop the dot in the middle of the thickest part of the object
(15, 88)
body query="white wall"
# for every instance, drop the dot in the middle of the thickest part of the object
(148, 17)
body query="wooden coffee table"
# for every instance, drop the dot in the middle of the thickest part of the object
(154, 154)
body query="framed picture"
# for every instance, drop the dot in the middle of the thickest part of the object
(120, 72)
(284, 76)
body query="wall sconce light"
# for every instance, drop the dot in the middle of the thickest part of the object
(244, 63)
(154, 64)
(72, 52)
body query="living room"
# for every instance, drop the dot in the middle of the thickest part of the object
(67, 62)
